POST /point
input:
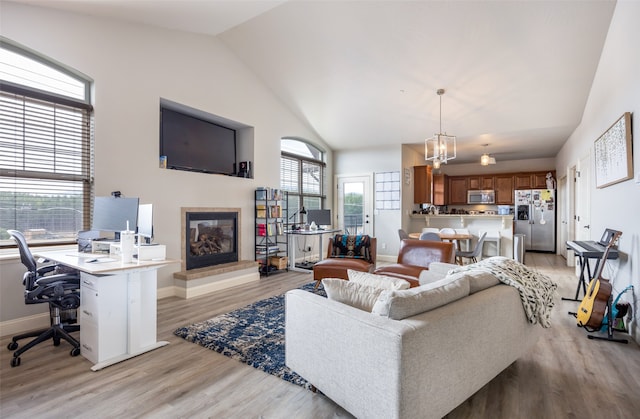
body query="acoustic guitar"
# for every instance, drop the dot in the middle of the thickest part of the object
(595, 302)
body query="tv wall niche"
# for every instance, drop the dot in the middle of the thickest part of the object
(196, 141)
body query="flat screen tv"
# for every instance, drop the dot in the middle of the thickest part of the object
(192, 143)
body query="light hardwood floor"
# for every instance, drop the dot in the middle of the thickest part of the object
(565, 375)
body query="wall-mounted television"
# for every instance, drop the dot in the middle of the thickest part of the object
(191, 142)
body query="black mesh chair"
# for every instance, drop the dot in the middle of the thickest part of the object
(44, 285)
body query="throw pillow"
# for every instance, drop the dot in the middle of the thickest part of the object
(356, 295)
(377, 281)
(398, 305)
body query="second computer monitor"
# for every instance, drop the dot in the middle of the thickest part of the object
(322, 217)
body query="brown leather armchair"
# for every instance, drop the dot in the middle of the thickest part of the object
(336, 265)
(415, 256)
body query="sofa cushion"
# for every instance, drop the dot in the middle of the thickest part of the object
(478, 280)
(398, 305)
(348, 246)
(356, 295)
(377, 281)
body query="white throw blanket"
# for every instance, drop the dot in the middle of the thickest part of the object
(537, 291)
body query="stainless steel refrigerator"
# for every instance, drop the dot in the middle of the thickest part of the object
(536, 218)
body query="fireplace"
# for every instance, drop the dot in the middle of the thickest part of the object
(210, 237)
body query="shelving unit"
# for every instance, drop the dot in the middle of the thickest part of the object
(272, 244)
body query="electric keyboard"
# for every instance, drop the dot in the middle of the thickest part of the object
(590, 249)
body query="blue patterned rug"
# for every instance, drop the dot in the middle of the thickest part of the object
(253, 334)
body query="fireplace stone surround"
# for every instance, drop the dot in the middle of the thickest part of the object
(199, 280)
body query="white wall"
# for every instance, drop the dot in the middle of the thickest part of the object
(133, 66)
(615, 90)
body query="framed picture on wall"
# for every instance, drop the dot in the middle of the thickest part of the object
(613, 157)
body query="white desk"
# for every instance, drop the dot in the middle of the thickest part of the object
(118, 308)
(293, 245)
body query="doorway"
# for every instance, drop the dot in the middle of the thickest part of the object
(355, 204)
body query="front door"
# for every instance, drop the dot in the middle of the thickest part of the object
(354, 205)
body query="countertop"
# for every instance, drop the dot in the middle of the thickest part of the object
(509, 216)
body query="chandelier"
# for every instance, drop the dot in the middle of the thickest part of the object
(441, 147)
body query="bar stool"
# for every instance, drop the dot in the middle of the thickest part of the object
(492, 236)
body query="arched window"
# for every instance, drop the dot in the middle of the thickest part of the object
(46, 165)
(302, 174)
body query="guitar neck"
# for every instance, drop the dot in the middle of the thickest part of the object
(605, 255)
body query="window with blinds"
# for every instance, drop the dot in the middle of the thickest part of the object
(302, 174)
(46, 160)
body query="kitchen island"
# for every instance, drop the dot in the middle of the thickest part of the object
(475, 224)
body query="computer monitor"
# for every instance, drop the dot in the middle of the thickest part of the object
(145, 223)
(322, 217)
(112, 214)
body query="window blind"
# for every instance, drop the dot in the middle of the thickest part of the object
(46, 165)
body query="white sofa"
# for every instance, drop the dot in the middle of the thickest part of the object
(419, 367)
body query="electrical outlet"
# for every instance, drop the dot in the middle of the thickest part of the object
(384, 246)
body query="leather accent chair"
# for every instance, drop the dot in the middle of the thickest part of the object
(335, 265)
(415, 256)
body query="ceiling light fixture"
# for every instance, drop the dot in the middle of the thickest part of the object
(486, 159)
(441, 147)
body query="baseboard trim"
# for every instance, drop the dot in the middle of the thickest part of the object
(24, 324)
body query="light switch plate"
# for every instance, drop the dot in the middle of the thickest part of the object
(637, 177)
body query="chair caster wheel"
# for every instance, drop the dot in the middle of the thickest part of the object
(56, 342)
(75, 352)
(12, 346)
(15, 362)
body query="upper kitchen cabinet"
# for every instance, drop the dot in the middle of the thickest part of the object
(539, 180)
(480, 182)
(532, 180)
(421, 184)
(504, 189)
(440, 189)
(458, 190)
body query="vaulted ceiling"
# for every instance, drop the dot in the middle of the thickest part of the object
(365, 73)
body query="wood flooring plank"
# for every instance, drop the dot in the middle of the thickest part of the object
(565, 375)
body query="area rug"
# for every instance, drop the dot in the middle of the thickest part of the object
(253, 334)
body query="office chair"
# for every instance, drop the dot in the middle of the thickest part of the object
(44, 285)
(403, 234)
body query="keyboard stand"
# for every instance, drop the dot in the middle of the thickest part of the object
(584, 263)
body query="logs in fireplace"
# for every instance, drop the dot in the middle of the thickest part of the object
(212, 238)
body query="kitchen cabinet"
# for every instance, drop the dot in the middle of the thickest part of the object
(440, 189)
(539, 180)
(522, 181)
(458, 190)
(480, 182)
(422, 184)
(531, 180)
(504, 189)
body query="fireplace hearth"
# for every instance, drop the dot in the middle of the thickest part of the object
(210, 236)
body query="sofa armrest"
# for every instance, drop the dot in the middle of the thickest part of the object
(345, 339)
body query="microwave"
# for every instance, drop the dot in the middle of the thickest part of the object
(486, 196)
